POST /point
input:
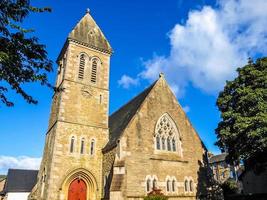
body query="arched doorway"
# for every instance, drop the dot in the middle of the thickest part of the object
(77, 190)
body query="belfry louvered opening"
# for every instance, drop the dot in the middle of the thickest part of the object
(81, 66)
(94, 71)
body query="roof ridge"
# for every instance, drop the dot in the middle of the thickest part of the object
(120, 119)
(132, 99)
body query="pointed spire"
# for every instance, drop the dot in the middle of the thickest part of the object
(89, 34)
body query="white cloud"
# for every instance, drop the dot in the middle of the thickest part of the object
(21, 162)
(127, 81)
(211, 44)
(186, 109)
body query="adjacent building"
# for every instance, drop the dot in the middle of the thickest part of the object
(221, 170)
(18, 184)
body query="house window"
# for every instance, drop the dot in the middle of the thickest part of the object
(94, 71)
(82, 146)
(81, 66)
(167, 135)
(92, 148)
(72, 144)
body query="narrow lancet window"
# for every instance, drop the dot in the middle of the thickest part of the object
(82, 146)
(169, 144)
(81, 66)
(72, 144)
(173, 144)
(94, 71)
(92, 148)
(168, 185)
(148, 183)
(158, 142)
(191, 186)
(173, 185)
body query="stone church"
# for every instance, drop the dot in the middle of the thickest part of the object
(148, 144)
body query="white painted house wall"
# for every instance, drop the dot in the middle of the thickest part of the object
(17, 195)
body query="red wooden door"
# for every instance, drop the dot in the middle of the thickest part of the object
(77, 190)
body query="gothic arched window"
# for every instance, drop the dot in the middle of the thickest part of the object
(158, 142)
(173, 144)
(81, 66)
(72, 144)
(186, 185)
(94, 70)
(191, 186)
(169, 144)
(148, 185)
(82, 146)
(154, 183)
(163, 145)
(168, 184)
(173, 185)
(167, 135)
(92, 148)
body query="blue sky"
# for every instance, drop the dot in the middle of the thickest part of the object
(198, 44)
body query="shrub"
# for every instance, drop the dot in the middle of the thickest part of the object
(155, 194)
(229, 187)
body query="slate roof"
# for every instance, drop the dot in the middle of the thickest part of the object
(119, 120)
(20, 180)
(88, 33)
(217, 158)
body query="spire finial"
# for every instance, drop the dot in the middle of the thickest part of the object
(161, 74)
(87, 10)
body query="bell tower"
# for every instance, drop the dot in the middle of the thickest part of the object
(78, 125)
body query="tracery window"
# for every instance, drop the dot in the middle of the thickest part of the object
(158, 142)
(167, 136)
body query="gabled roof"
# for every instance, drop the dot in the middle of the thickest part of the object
(20, 180)
(119, 120)
(89, 34)
(217, 158)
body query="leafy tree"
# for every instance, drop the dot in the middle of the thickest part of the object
(242, 131)
(22, 58)
(229, 187)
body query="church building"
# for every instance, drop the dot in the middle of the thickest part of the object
(147, 144)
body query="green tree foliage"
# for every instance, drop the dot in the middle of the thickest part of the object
(243, 106)
(22, 58)
(229, 187)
